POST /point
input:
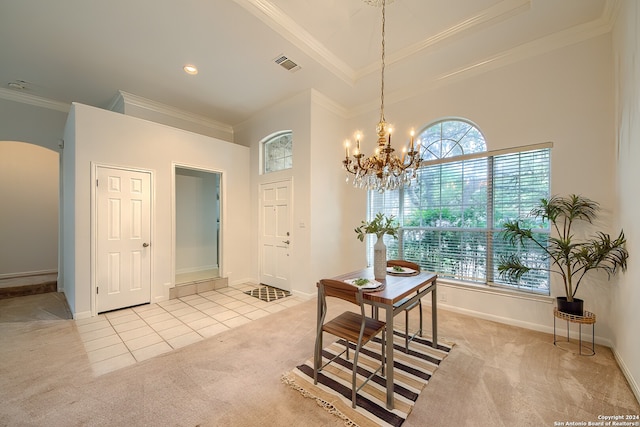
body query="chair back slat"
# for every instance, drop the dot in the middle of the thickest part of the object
(341, 290)
(403, 263)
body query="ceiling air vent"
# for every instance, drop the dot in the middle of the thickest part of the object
(286, 63)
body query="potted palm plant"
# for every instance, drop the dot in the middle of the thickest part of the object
(379, 225)
(569, 258)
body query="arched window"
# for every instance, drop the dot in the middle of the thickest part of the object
(451, 216)
(450, 138)
(277, 152)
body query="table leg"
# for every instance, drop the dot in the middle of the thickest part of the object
(434, 315)
(389, 361)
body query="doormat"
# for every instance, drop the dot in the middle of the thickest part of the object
(268, 293)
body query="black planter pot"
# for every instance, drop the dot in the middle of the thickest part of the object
(575, 307)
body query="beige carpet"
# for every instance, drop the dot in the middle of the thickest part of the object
(496, 376)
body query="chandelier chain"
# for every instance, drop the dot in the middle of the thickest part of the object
(384, 169)
(382, 60)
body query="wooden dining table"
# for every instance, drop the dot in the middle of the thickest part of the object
(407, 288)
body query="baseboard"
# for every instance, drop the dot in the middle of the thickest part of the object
(27, 274)
(627, 374)
(197, 269)
(82, 315)
(515, 322)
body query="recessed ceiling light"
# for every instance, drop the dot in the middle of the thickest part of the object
(190, 69)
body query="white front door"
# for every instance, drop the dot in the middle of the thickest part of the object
(123, 256)
(275, 234)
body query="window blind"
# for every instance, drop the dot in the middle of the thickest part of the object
(451, 217)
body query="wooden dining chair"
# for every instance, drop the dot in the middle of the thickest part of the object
(407, 338)
(351, 327)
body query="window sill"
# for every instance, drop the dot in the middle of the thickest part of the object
(473, 287)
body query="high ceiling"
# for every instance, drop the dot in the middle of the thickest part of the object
(86, 51)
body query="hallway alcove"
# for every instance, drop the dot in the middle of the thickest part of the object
(197, 225)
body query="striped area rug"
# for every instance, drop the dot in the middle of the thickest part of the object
(412, 372)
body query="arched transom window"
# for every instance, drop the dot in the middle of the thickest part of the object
(277, 152)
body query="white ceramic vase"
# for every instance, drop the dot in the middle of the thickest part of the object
(380, 259)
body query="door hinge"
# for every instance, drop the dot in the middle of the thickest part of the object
(97, 290)
(96, 182)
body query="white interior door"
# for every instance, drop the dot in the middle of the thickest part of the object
(123, 257)
(275, 234)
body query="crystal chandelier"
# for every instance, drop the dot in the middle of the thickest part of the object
(384, 170)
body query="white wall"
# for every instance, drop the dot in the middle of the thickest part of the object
(321, 199)
(107, 138)
(29, 123)
(626, 293)
(564, 96)
(196, 220)
(29, 215)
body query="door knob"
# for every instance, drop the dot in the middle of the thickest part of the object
(145, 245)
(286, 241)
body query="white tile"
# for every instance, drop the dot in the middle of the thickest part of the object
(102, 342)
(257, 314)
(175, 331)
(98, 333)
(90, 327)
(184, 340)
(154, 310)
(94, 319)
(152, 320)
(212, 330)
(136, 333)
(172, 308)
(166, 324)
(184, 311)
(201, 323)
(206, 305)
(169, 303)
(151, 351)
(196, 315)
(215, 310)
(236, 321)
(113, 364)
(107, 352)
(232, 305)
(123, 319)
(119, 313)
(245, 308)
(134, 324)
(225, 315)
(146, 307)
(197, 302)
(143, 341)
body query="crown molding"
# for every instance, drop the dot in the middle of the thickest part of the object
(570, 36)
(138, 101)
(281, 23)
(329, 104)
(26, 98)
(496, 13)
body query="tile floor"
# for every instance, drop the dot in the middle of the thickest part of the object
(121, 338)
